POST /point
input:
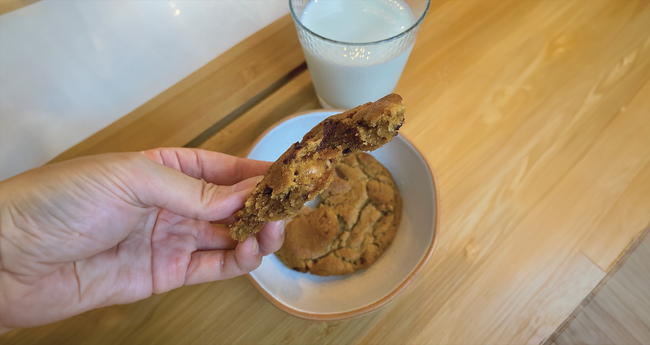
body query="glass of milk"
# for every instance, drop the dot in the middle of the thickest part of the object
(356, 49)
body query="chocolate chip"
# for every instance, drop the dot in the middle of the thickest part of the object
(329, 132)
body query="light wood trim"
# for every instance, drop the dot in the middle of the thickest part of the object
(7, 6)
(626, 255)
(620, 312)
(218, 91)
(239, 136)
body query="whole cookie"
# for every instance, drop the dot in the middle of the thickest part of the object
(351, 227)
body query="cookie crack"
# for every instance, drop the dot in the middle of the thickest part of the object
(343, 225)
(370, 233)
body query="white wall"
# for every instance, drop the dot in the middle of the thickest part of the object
(70, 68)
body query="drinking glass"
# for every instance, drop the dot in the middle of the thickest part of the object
(347, 73)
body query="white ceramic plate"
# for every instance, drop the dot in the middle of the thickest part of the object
(340, 297)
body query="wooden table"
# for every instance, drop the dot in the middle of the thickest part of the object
(534, 115)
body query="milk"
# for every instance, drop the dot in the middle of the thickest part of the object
(346, 86)
(348, 74)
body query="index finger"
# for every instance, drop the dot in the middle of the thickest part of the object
(214, 167)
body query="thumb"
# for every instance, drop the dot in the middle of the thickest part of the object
(193, 198)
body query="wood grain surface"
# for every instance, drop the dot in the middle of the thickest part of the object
(535, 116)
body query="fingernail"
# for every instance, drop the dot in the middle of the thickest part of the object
(282, 225)
(255, 248)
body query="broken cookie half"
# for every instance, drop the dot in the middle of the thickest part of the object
(307, 168)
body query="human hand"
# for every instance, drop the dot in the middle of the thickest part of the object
(116, 228)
